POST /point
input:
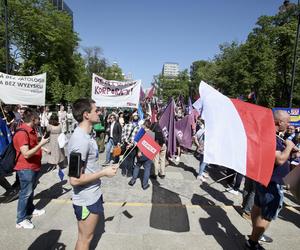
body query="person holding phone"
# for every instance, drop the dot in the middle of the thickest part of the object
(87, 194)
(28, 165)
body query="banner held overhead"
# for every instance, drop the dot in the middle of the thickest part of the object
(26, 90)
(108, 93)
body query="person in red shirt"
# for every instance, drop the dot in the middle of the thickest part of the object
(28, 165)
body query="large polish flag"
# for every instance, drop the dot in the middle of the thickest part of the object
(238, 135)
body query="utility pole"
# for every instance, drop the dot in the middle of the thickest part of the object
(295, 57)
(6, 36)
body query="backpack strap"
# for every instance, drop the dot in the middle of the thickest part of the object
(24, 130)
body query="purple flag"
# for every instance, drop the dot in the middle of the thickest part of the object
(183, 131)
(167, 124)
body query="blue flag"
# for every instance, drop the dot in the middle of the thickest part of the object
(139, 134)
(140, 112)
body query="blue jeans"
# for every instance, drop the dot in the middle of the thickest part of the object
(109, 145)
(128, 163)
(27, 184)
(202, 168)
(142, 161)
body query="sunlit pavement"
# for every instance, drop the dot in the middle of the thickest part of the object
(178, 212)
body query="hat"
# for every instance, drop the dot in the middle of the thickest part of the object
(135, 114)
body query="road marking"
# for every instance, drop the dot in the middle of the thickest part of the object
(144, 204)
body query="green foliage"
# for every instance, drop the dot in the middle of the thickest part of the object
(173, 87)
(262, 64)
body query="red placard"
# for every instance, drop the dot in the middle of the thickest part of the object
(148, 146)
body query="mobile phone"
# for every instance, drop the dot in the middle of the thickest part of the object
(47, 134)
(75, 165)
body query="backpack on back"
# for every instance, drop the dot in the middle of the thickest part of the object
(9, 158)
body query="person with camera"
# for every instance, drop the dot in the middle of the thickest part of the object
(87, 194)
(28, 165)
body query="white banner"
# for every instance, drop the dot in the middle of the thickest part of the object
(107, 93)
(26, 90)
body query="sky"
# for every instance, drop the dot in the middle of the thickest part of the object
(142, 35)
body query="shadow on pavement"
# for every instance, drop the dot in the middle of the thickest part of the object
(216, 194)
(290, 216)
(100, 229)
(216, 173)
(167, 212)
(218, 224)
(53, 192)
(48, 241)
(184, 167)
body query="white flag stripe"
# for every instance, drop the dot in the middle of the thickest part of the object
(225, 137)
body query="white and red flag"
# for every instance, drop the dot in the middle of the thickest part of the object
(238, 135)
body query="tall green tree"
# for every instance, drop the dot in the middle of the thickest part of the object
(174, 86)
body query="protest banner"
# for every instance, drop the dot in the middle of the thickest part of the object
(108, 93)
(294, 114)
(25, 90)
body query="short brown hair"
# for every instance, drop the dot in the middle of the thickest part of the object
(80, 106)
(29, 114)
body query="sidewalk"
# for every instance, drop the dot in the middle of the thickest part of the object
(174, 213)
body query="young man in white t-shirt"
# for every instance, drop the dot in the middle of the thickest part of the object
(87, 195)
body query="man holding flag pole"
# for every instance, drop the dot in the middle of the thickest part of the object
(250, 147)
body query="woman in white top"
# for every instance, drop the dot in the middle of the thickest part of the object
(62, 118)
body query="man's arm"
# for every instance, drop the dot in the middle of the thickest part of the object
(282, 156)
(109, 171)
(28, 153)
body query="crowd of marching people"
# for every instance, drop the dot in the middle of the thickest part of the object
(90, 130)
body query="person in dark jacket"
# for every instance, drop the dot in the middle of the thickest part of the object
(114, 137)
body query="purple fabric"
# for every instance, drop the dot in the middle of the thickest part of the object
(167, 124)
(183, 131)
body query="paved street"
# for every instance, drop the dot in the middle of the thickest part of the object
(174, 213)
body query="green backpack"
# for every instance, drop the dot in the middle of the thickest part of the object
(98, 127)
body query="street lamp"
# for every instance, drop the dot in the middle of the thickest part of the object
(295, 57)
(6, 36)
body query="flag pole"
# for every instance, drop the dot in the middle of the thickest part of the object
(221, 179)
(120, 162)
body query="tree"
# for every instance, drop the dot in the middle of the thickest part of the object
(174, 87)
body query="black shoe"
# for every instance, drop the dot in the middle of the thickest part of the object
(146, 186)
(131, 182)
(162, 176)
(266, 239)
(123, 173)
(154, 177)
(253, 245)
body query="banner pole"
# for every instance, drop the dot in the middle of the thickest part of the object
(120, 162)
(2, 111)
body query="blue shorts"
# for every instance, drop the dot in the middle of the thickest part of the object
(269, 199)
(82, 212)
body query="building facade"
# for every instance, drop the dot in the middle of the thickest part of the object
(170, 69)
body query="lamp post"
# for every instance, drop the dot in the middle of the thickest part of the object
(6, 37)
(295, 57)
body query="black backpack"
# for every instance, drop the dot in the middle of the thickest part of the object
(8, 159)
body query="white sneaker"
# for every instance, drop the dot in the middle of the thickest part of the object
(205, 175)
(26, 224)
(232, 191)
(38, 212)
(177, 159)
(201, 178)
